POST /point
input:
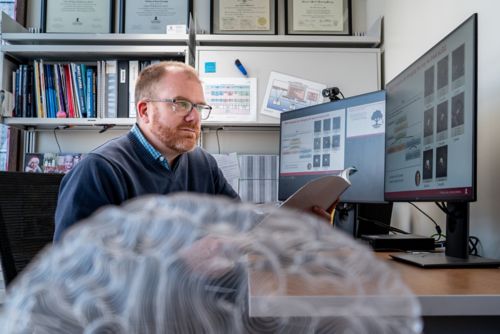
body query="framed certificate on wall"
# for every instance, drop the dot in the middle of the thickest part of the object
(243, 16)
(306, 17)
(69, 16)
(153, 17)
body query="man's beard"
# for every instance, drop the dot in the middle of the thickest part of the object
(175, 139)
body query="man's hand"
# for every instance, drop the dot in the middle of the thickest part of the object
(320, 212)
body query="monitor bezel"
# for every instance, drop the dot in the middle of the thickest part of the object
(472, 197)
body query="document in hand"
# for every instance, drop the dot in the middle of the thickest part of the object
(322, 192)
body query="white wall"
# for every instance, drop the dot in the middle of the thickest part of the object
(411, 28)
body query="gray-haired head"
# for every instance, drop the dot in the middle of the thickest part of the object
(145, 267)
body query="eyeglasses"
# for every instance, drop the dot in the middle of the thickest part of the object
(184, 107)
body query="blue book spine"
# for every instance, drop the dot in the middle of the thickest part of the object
(48, 91)
(90, 93)
(81, 91)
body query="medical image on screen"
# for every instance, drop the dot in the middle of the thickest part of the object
(336, 123)
(442, 117)
(427, 165)
(326, 160)
(317, 143)
(429, 122)
(326, 142)
(457, 110)
(458, 63)
(326, 124)
(317, 160)
(336, 141)
(429, 82)
(442, 161)
(317, 126)
(442, 79)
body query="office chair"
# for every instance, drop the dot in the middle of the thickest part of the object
(27, 207)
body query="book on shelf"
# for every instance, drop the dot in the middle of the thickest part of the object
(123, 89)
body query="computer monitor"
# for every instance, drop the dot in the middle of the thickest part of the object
(325, 139)
(431, 136)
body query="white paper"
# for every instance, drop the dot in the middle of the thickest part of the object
(228, 164)
(285, 92)
(232, 99)
(258, 178)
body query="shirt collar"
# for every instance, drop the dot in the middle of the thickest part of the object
(136, 131)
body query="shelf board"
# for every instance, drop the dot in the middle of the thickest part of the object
(94, 39)
(288, 40)
(52, 123)
(87, 52)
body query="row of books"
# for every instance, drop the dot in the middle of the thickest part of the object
(60, 163)
(104, 89)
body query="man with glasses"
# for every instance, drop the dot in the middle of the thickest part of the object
(158, 156)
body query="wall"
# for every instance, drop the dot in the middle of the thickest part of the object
(411, 28)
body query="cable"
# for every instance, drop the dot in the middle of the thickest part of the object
(390, 228)
(217, 135)
(439, 232)
(57, 141)
(473, 245)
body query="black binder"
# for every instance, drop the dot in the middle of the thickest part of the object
(123, 89)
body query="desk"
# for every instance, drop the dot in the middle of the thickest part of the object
(452, 300)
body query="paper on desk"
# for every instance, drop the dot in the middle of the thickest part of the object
(322, 192)
(228, 163)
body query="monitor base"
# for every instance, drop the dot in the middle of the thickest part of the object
(440, 260)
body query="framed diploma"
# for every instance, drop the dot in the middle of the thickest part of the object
(72, 16)
(243, 16)
(154, 17)
(327, 17)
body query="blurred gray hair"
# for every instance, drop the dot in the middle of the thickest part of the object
(121, 271)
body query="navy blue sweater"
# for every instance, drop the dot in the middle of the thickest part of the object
(122, 169)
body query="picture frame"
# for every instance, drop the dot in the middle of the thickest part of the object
(16, 9)
(66, 16)
(252, 17)
(154, 17)
(332, 17)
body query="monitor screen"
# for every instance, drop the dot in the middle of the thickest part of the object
(431, 123)
(327, 138)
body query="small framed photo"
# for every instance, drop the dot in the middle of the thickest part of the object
(305, 17)
(253, 17)
(69, 16)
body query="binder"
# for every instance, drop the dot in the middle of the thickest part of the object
(123, 89)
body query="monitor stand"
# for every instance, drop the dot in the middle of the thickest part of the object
(457, 245)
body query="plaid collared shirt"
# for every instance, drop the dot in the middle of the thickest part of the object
(154, 152)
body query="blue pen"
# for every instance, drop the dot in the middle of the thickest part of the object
(240, 67)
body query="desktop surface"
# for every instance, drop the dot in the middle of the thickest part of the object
(441, 292)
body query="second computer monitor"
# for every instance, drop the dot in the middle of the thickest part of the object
(327, 138)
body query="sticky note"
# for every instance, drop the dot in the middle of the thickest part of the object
(210, 67)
